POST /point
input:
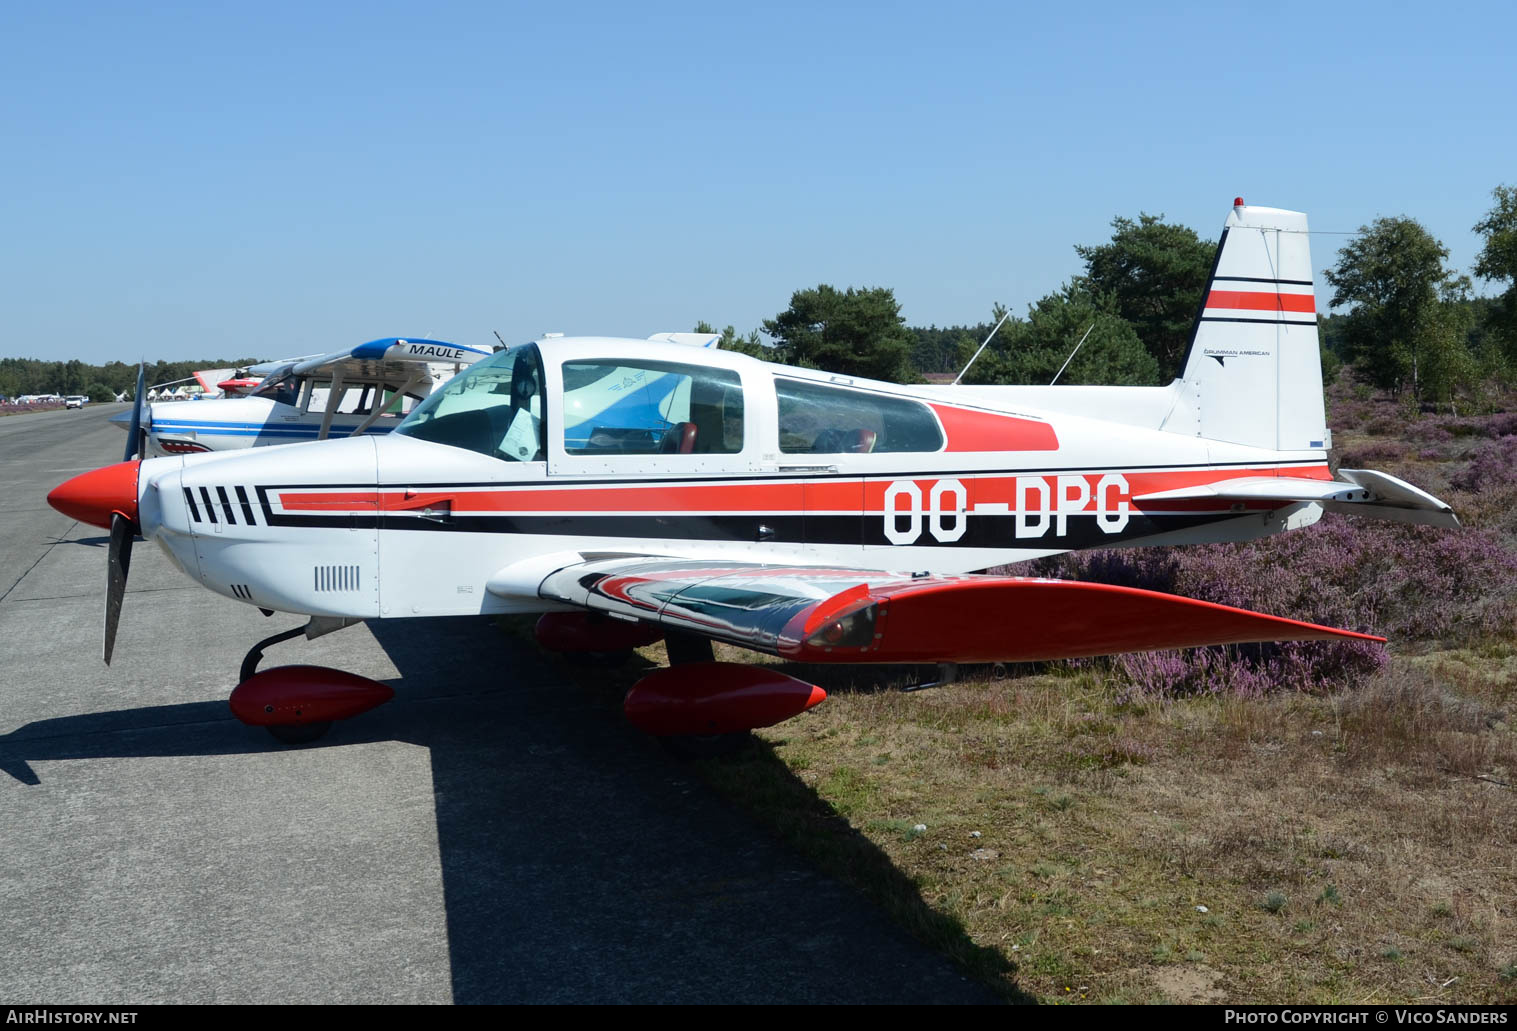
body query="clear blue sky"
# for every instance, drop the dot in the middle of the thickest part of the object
(186, 180)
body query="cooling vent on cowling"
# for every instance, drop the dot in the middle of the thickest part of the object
(335, 578)
(241, 591)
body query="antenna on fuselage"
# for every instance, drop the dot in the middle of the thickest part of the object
(1071, 355)
(967, 364)
(500, 338)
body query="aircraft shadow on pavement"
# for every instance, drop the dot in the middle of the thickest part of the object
(580, 863)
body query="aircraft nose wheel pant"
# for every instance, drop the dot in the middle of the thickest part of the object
(298, 704)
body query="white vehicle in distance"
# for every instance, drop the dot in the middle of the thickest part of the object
(75, 401)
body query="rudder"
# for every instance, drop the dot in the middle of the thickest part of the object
(1253, 373)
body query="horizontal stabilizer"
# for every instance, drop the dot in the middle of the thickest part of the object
(1366, 493)
(1395, 499)
(842, 615)
(1264, 488)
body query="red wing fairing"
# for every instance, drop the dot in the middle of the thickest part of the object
(841, 615)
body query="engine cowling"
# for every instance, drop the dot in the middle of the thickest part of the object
(701, 698)
(294, 695)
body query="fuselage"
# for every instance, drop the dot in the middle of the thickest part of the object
(233, 423)
(591, 446)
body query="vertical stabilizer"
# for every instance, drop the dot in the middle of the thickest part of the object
(1253, 373)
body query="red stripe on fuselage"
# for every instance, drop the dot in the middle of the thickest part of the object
(969, 430)
(1254, 300)
(838, 494)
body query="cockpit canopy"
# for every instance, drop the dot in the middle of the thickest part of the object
(613, 401)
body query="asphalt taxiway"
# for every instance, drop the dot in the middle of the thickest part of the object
(492, 835)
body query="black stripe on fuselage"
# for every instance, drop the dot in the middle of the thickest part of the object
(998, 530)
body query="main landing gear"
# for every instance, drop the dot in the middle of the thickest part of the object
(298, 704)
(697, 707)
(689, 650)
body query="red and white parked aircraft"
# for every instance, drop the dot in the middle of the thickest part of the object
(632, 489)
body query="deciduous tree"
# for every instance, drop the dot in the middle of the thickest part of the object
(1497, 261)
(1407, 324)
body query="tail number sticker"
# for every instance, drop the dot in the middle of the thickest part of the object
(946, 510)
(1043, 503)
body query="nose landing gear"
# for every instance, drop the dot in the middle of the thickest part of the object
(298, 704)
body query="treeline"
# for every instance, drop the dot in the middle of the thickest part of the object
(20, 376)
(1407, 322)
(1133, 307)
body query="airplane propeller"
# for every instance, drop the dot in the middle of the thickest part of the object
(123, 532)
(134, 445)
(118, 561)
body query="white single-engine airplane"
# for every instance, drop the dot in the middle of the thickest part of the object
(633, 489)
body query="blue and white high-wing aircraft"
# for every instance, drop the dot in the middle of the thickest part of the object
(369, 388)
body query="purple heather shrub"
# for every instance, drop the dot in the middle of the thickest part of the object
(1409, 583)
(1347, 413)
(1431, 478)
(1491, 465)
(1501, 424)
(1427, 431)
(1364, 455)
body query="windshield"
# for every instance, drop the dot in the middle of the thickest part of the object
(281, 386)
(495, 407)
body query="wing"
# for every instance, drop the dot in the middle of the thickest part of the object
(1367, 493)
(848, 615)
(394, 358)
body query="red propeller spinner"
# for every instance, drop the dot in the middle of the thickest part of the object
(93, 497)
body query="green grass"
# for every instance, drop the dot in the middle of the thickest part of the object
(1329, 875)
